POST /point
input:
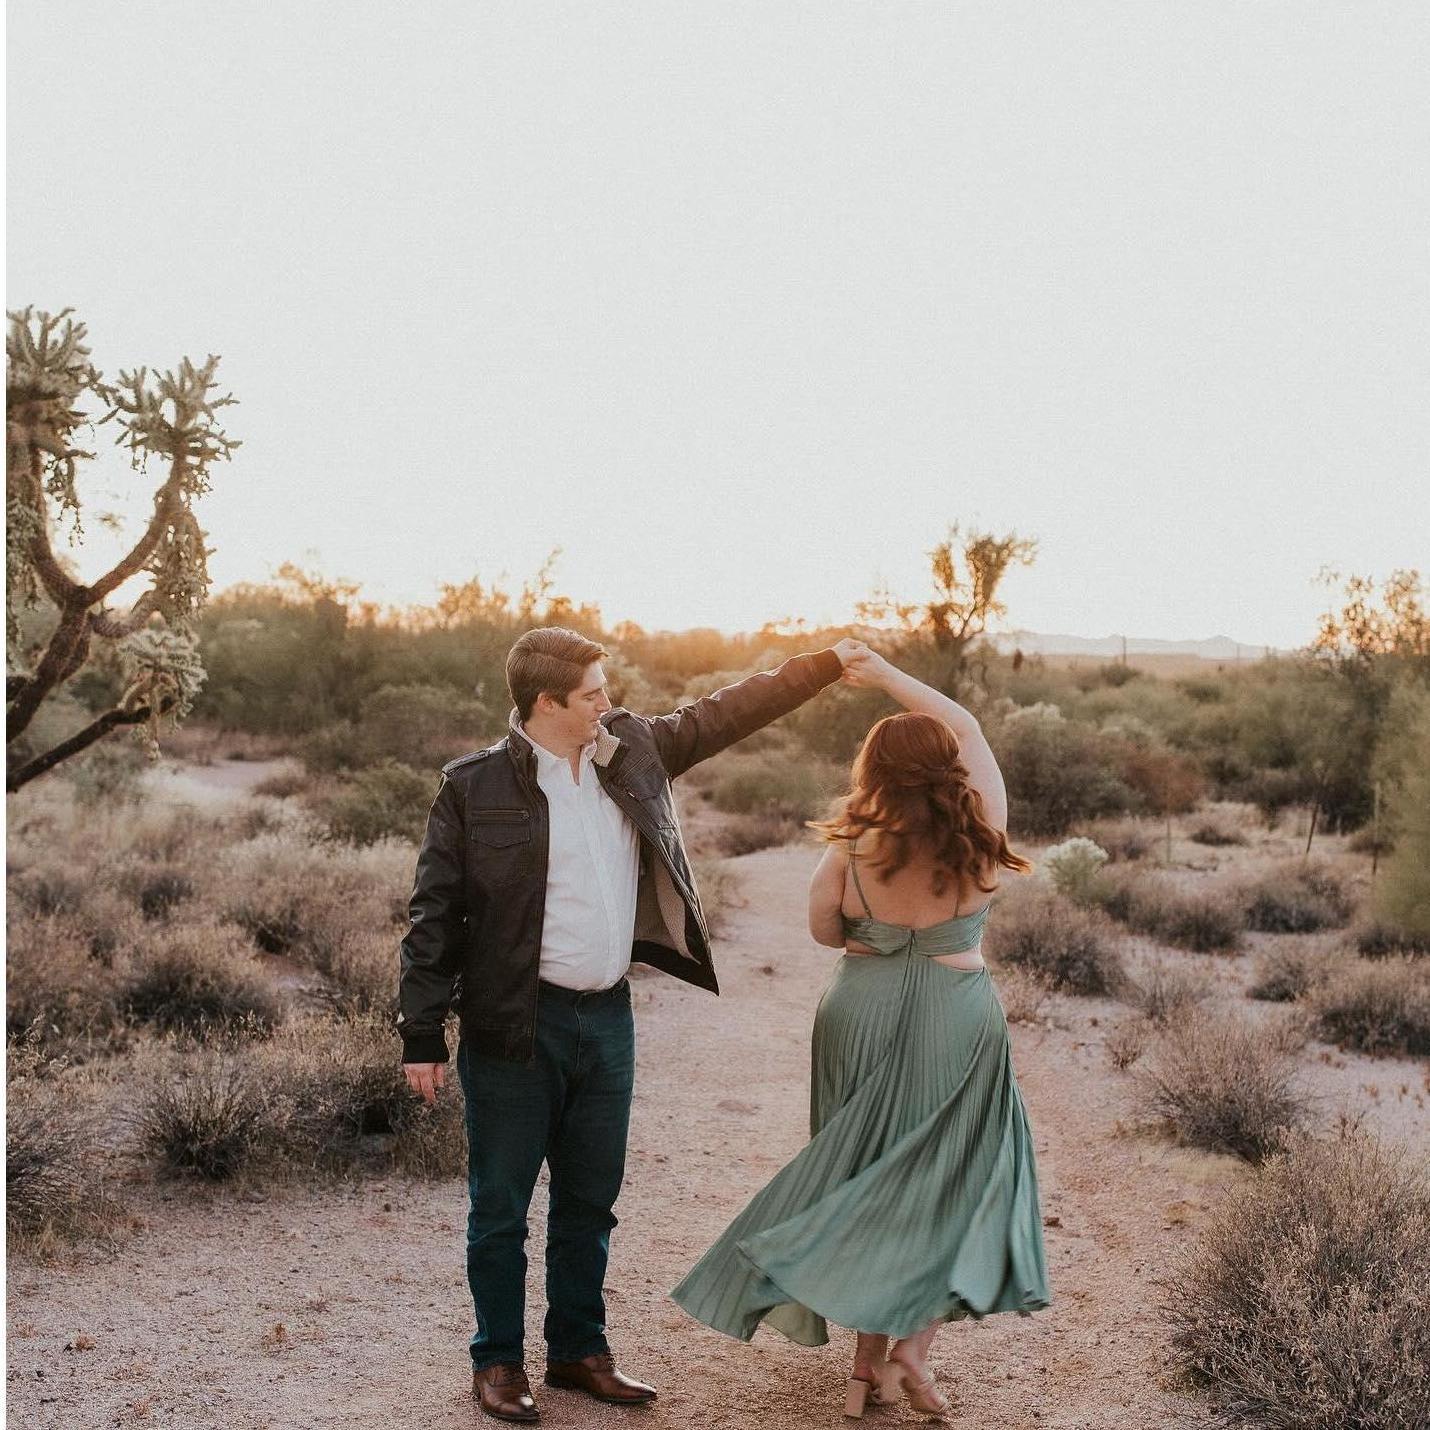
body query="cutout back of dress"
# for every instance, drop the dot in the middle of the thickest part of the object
(955, 935)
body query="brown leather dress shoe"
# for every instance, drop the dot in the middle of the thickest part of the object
(597, 1376)
(504, 1392)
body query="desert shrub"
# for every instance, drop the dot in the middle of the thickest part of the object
(1057, 772)
(420, 725)
(51, 1176)
(283, 784)
(384, 801)
(1126, 1041)
(1283, 974)
(1163, 992)
(336, 1093)
(749, 833)
(1125, 839)
(1377, 1008)
(1376, 938)
(109, 772)
(1072, 865)
(1163, 779)
(1021, 995)
(50, 888)
(1223, 1084)
(54, 983)
(1216, 834)
(180, 835)
(1205, 923)
(332, 748)
(1295, 899)
(1069, 949)
(1273, 791)
(1301, 1304)
(157, 888)
(1403, 891)
(771, 783)
(199, 979)
(204, 1114)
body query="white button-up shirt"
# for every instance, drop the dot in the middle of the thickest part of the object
(592, 874)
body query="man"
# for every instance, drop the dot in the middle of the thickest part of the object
(550, 861)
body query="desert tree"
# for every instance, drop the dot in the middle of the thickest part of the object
(171, 418)
(967, 569)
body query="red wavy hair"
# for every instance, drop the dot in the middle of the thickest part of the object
(910, 784)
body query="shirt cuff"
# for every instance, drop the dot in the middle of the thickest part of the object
(424, 1048)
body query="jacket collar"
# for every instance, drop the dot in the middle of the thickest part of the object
(524, 752)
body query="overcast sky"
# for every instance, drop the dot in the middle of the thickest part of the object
(741, 304)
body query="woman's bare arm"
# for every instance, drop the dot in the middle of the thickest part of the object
(872, 669)
(826, 898)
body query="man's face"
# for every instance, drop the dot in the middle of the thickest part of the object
(581, 716)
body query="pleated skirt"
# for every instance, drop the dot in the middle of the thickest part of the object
(916, 1198)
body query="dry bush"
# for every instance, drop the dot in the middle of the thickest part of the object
(309, 901)
(1126, 1041)
(386, 800)
(52, 1186)
(1022, 996)
(204, 1112)
(200, 979)
(1380, 1008)
(54, 886)
(1204, 923)
(1282, 975)
(1223, 1084)
(1069, 949)
(56, 984)
(1375, 938)
(1165, 991)
(284, 783)
(1124, 838)
(1301, 1305)
(1216, 833)
(157, 887)
(1295, 898)
(749, 833)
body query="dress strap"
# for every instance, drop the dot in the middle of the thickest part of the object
(854, 869)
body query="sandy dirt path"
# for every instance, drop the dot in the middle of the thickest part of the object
(348, 1306)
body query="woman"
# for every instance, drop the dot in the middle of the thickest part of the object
(916, 1200)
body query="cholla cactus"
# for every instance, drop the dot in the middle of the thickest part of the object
(172, 416)
(1073, 865)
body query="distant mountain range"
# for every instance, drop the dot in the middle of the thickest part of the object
(1213, 648)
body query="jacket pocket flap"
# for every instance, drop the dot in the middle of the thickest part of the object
(502, 835)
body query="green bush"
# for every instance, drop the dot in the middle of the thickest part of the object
(1224, 1085)
(1057, 772)
(1377, 1008)
(1301, 1303)
(1067, 948)
(771, 783)
(387, 800)
(1402, 896)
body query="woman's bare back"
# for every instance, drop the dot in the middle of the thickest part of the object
(908, 898)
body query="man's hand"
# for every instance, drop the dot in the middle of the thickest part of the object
(425, 1078)
(849, 649)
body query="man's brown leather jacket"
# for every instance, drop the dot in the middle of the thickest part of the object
(478, 902)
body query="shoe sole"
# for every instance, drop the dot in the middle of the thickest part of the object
(558, 1383)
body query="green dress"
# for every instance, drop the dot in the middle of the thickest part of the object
(916, 1198)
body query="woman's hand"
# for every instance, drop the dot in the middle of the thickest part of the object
(868, 669)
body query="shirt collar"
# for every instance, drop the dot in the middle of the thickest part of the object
(545, 760)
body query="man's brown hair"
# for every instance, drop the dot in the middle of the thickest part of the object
(549, 658)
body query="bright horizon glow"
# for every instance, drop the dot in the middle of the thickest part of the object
(740, 306)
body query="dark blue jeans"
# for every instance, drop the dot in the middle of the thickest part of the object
(570, 1108)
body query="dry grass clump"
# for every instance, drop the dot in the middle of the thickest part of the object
(1021, 995)
(1282, 975)
(200, 979)
(206, 1117)
(1069, 949)
(1301, 1305)
(1204, 923)
(1127, 1040)
(1380, 1008)
(1295, 898)
(1223, 1084)
(1163, 991)
(284, 783)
